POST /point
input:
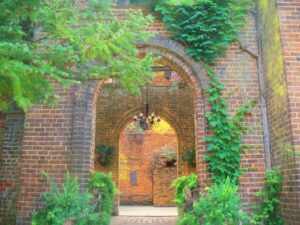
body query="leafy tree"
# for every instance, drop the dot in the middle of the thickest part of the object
(43, 42)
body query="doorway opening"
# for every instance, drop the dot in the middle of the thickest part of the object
(147, 165)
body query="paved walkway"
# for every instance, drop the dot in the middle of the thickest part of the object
(140, 215)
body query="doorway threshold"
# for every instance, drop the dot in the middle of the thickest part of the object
(148, 211)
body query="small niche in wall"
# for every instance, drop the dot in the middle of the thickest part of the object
(133, 178)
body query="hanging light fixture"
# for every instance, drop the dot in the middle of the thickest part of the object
(146, 120)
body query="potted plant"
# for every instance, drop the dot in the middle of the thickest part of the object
(190, 157)
(105, 154)
(169, 156)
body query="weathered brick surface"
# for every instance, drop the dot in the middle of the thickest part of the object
(279, 35)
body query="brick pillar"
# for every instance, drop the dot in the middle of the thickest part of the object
(83, 132)
(10, 166)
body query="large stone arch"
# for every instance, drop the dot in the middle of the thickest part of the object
(83, 131)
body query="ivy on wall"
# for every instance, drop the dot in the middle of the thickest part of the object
(207, 28)
(224, 146)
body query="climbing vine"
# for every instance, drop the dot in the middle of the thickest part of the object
(224, 146)
(207, 28)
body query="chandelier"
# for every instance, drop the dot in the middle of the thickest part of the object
(146, 120)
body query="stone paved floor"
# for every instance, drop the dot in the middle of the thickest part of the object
(140, 215)
(139, 220)
(147, 211)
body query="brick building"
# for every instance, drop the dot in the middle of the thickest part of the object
(264, 65)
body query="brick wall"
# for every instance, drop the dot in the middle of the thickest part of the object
(46, 147)
(289, 21)
(163, 194)
(279, 36)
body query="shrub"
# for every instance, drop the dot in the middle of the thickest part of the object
(189, 218)
(103, 187)
(180, 184)
(61, 204)
(268, 211)
(220, 205)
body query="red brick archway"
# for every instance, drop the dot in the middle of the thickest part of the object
(173, 55)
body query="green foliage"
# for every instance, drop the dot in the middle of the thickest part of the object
(103, 185)
(219, 205)
(206, 27)
(268, 211)
(180, 184)
(224, 146)
(105, 154)
(190, 157)
(189, 218)
(61, 204)
(68, 45)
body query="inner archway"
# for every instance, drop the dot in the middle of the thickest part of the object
(147, 165)
(170, 97)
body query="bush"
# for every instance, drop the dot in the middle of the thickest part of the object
(62, 204)
(268, 211)
(180, 184)
(103, 188)
(219, 205)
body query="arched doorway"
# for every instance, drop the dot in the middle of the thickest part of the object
(86, 114)
(172, 99)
